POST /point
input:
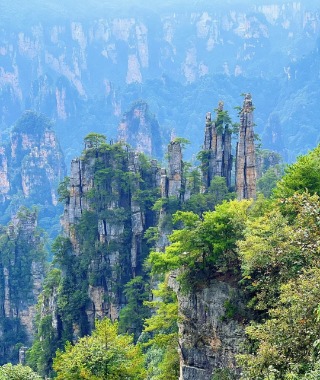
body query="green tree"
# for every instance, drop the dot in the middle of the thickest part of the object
(94, 140)
(278, 246)
(101, 356)
(288, 342)
(202, 245)
(17, 372)
(269, 179)
(223, 121)
(301, 176)
(132, 315)
(217, 192)
(182, 141)
(161, 330)
(63, 190)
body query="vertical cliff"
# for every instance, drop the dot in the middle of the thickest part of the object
(22, 269)
(216, 153)
(209, 336)
(245, 158)
(141, 130)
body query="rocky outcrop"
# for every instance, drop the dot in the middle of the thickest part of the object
(4, 175)
(245, 158)
(81, 181)
(217, 157)
(104, 195)
(209, 335)
(141, 130)
(31, 164)
(22, 270)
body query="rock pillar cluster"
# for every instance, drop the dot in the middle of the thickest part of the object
(217, 160)
(109, 186)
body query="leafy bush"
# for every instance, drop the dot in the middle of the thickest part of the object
(17, 372)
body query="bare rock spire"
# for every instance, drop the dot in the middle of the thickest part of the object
(172, 179)
(245, 162)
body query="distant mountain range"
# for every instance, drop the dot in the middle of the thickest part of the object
(84, 66)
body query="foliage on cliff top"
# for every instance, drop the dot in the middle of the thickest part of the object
(203, 244)
(32, 123)
(94, 140)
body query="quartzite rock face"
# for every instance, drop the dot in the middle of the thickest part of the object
(217, 150)
(141, 130)
(208, 339)
(245, 159)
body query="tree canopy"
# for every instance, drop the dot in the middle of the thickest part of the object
(103, 355)
(301, 176)
(17, 372)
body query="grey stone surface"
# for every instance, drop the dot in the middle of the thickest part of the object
(208, 340)
(245, 159)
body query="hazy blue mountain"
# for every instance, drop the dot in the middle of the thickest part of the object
(84, 64)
